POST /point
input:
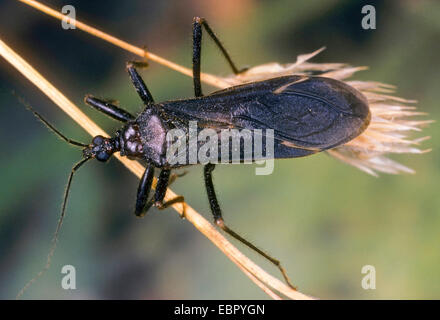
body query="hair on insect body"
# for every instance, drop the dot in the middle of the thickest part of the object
(307, 115)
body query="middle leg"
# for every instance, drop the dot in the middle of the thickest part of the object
(143, 191)
(161, 190)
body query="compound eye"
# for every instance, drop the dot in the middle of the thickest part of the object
(102, 156)
(98, 140)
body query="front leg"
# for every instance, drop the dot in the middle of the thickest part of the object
(108, 108)
(143, 191)
(142, 202)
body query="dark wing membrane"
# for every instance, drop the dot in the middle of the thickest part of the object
(306, 113)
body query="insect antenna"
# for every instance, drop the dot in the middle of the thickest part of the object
(47, 123)
(57, 230)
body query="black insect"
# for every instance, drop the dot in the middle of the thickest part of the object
(308, 114)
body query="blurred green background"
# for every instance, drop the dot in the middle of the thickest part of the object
(323, 219)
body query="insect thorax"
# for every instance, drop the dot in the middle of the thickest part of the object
(145, 138)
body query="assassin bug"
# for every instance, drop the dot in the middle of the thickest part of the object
(308, 114)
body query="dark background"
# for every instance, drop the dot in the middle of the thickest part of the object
(324, 220)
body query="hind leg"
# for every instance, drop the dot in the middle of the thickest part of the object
(197, 48)
(218, 219)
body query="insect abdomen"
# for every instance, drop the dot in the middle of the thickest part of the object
(306, 114)
(317, 113)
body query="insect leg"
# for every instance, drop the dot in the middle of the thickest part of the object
(161, 189)
(197, 47)
(218, 219)
(198, 22)
(109, 109)
(142, 205)
(139, 84)
(143, 191)
(175, 176)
